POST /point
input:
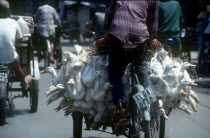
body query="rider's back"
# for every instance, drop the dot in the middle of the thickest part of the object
(9, 31)
(46, 18)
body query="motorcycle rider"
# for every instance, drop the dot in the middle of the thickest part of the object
(9, 32)
(46, 18)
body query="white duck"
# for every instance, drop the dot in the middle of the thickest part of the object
(184, 108)
(192, 93)
(157, 65)
(58, 87)
(81, 53)
(72, 92)
(89, 74)
(54, 97)
(177, 91)
(183, 68)
(64, 103)
(100, 94)
(161, 88)
(169, 76)
(53, 73)
(83, 107)
(71, 60)
(174, 94)
(100, 108)
(79, 86)
(192, 102)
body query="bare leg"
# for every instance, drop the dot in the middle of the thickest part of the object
(52, 52)
(19, 72)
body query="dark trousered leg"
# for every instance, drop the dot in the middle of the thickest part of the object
(117, 65)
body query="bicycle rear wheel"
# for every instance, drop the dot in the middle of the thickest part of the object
(2, 103)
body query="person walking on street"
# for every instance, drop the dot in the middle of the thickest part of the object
(169, 25)
(129, 23)
(9, 32)
(46, 18)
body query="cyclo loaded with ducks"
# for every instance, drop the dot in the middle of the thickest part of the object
(84, 90)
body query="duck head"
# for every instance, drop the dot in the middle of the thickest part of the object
(70, 82)
(48, 70)
(98, 74)
(162, 54)
(186, 65)
(188, 83)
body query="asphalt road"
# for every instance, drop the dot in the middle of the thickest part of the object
(47, 123)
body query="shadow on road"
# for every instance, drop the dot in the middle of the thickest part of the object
(17, 112)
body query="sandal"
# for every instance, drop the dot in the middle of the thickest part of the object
(120, 116)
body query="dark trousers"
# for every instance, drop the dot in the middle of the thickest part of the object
(118, 61)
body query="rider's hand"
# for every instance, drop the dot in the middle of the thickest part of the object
(155, 43)
(100, 42)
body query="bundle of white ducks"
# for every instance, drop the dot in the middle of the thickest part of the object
(82, 84)
(172, 83)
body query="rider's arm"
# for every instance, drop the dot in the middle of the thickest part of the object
(152, 19)
(109, 15)
(152, 23)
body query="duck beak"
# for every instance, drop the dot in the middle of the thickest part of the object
(110, 86)
(100, 76)
(60, 64)
(48, 93)
(192, 66)
(69, 83)
(78, 64)
(193, 84)
(55, 88)
(51, 91)
(188, 111)
(43, 71)
(73, 108)
(174, 66)
(184, 93)
(197, 100)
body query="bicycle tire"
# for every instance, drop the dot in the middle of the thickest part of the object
(77, 124)
(34, 95)
(2, 103)
(134, 114)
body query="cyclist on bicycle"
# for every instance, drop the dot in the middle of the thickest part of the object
(9, 32)
(129, 23)
(46, 18)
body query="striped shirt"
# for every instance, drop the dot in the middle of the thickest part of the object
(132, 21)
